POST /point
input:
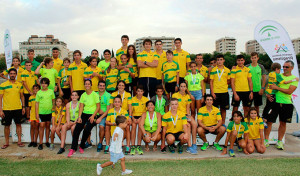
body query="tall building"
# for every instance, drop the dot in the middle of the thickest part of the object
(168, 43)
(43, 46)
(226, 44)
(253, 46)
(296, 44)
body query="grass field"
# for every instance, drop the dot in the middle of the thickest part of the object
(233, 166)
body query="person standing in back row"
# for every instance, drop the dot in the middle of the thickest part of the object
(123, 49)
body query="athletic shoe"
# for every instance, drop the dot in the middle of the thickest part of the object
(99, 169)
(81, 150)
(180, 148)
(132, 150)
(266, 142)
(163, 150)
(239, 148)
(217, 146)
(30, 144)
(99, 147)
(87, 145)
(174, 145)
(171, 148)
(231, 153)
(139, 150)
(204, 146)
(127, 150)
(194, 146)
(71, 152)
(279, 145)
(106, 150)
(61, 150)
(189, 149)
(47, 144)
(127, 172)
(40, 147)
(51, 147)
(34, 144)
(193, 151)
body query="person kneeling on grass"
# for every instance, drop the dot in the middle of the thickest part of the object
(116, 147)
(235, 130)
(210, 121)
(150, 125)
(175, 127)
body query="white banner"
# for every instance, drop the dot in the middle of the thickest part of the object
(7, 49)
(276, 42)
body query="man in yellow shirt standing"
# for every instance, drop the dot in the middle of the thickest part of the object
(123, 49)
(58, 63)
(162, 58)
(182, 58)
(147, 63)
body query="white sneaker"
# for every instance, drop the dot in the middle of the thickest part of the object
(127, 172)
(99, 169)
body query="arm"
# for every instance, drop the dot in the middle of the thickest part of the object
(26, 87)
(141, 64)
(95, 113)
(158, 124)
(2, 76)
(37, 71)
(1, 110)
(71, 85)
(188, 109)
(23, 103)
(81, 105)
(37, 110)
(251, 88)
(202, 125)
(141, 124)
(129, 109)
(177, 81)
(263, 85)
(154, 63)
(103, 115)
(116, 136)
(163, 138)
(236, 97)
(59, 87)
(289, 91)
(68, 113)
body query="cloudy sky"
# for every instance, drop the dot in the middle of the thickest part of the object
(86, 25)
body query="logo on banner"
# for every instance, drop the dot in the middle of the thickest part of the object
(281, 48)
(269, 31)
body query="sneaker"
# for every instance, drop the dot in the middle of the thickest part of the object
(99, 147)
(163, 150)
(279, 145)
(87, 145)
(174, 145)
(47, 144)
(61, 150)
(217, 146)
(99, 169)
(127, 150)
(180, 148)
(34, 144)
(266, 142)
(127, 172)
(51, 147)
(139, 150)
(171, 148)
(204, 146)
(30, 144)
(193, 151)
(239, 148)
(132, 150)
(40, 147)
(231, 153)
(189, 149)
(81, 150)
(106, 150)
(194, 146)
(71, 152)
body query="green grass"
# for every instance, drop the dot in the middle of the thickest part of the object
(234, 166)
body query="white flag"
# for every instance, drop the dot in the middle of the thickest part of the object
(7, 49)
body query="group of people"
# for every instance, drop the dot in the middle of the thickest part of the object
(160, 95)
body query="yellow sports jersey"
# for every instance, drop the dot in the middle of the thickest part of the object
(112, 115)
(254, 127)
(58, 64)
(241, 76)
(170, 70)
(148, 57)
(173, 125)
(182, 58)
(134, 66)
(19, 73)
(220, 78)
(30, 79)
(111, 79)
(126, 99)
(88, 72)
(162, 58)
(119, 53)
(209, 118)
(139, 106)
(125, 76)
(31, 104)
(76, 72)
(183, 101)
(57, 114)
(11, 95)
(63, 75)
(241, 128)
(274, 78)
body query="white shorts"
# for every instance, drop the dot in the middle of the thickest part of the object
(115, 157)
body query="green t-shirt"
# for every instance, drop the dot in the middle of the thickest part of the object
(282, 97)
(256, 73)
(160, 104)
(90, 102)
(104, 100)
(103, 65)
(51, 74)
(194, 81)
(35, 64)
(45, 101)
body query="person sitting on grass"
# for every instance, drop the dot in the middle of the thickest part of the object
(115, 149)
(175, 127)
(235, 131)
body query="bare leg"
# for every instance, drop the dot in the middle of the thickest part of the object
(6, 134)
(223, 115)
(201, 133)
(123, 164)
(47, 131)
(128, 135)
(41, 131)
(133, 131)
(281, 130)
(19, 132)
(101, 133)
(32, 129)
(107, 134)
(268, 130)
(36, 131)
(250, 146)
(221, 132)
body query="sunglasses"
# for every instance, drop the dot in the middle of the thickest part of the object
(286, 67)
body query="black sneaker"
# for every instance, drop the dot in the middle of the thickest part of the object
(34, 144)
(30, 144)
(47, 144)
(174, 145)
(40, 147)
(61, 150)
(171, 148)
(163, 150)
(180, 148)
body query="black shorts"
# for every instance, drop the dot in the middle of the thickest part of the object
(181, 80)
(170, 87)
(238, 139)
(206, 131)
(67, 93)
(45, 117)
(12, 114)
(244, 97)
(269, 113)
(136, 117)
(176, 135)
(222, 100)
(26, 98)
(285, 112)
(134, 82)
(257, 99)
(127, 87)
(80, 92)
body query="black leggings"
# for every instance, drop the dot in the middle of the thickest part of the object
(86, 132)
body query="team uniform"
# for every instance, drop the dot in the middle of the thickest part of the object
(76, 72)
(113, 114)
(58, 64)
(19, 73)
(174, 125)
(254, 126)
(182, 58)
(111, 79)
(34, 64)
(126, 99)
(138, 106)
(183, 101)
(30, 79)
(241, 83)
(45, 104)
(103, 65)
(74, 113)
(31, 104)
(88, 72)
(170, 70)
(57, 113)
(151, 125)
(51, 74)
(241, 128)
(126, 77)
(119, 54)
(162, 58)
(160, 104)
(104, 102)
(220, 86)
(194, 84)
(204, 72)
(209, 119)
(63, 75)
(135, 71)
